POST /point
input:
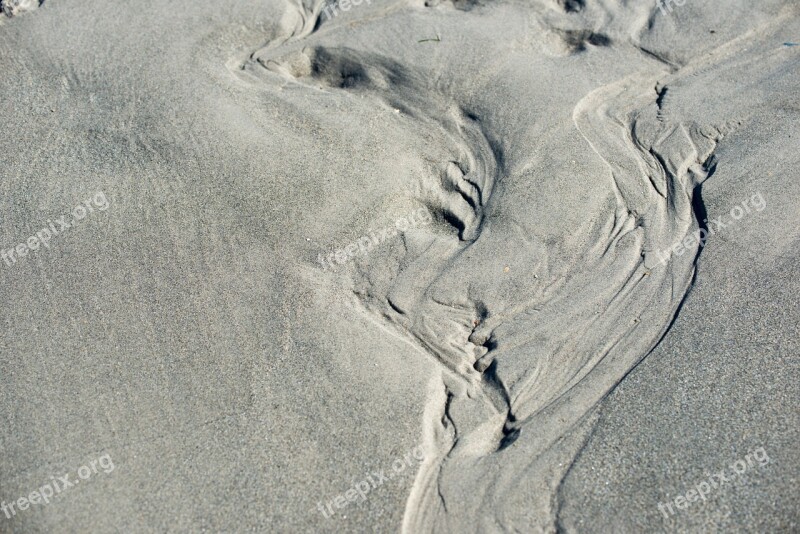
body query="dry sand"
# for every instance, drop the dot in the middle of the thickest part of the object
(454, 266)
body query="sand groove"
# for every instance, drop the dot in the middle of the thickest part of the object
(549, 379)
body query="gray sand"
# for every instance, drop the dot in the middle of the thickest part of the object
(412, 266)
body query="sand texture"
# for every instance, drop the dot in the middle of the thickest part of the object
(400, 266)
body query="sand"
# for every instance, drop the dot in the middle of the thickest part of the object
(455, 266)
